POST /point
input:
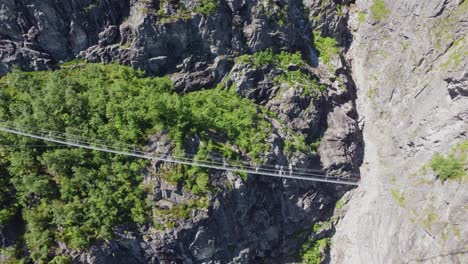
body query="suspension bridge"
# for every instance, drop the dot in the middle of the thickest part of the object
(71, 140)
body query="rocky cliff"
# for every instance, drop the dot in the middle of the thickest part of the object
(260, 50)
(393, 70)
(410, 69)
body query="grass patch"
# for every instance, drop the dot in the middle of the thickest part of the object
(339, 9)
(379, 10)
(203, 7)
(320, 226)
(269, 58)
(430, 217)
(13, 254)
(206, 7)
(445, 27)
(327, 47)
(181, 211)
(293, 142)
(61, 259)
(310, 87)
(451, 166)
(361, 18)
(399, 197)
(296, 143)
(458, 52)
(313, 252)
(299, 78)
(181, 12)
(340, 203)
(370, 93)
(275, 11)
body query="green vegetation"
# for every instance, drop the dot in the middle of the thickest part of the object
(339, 9)
(206, 7)
(445, 28)
(313, 252)
(310, 87)
(8, 202)
(269, 58)
(283, 16)
(78, 196)
(275, 11)
(61, 259)
(320, 226)
(361, 18)
(340, 203)
(181, 12)
(378, 9)
(194, 179)
(316, 144)
(430, 217)
(451, 166)
(293, 142)
(327, 47)
(299, 78)
(13, 254)
(447, 167)
(456, 231)
(298, 143)
(181, 211)
(399, 197)
(458, 51)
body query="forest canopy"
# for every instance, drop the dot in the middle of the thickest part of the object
(77, 196)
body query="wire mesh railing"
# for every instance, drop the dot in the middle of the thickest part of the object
(192, 160)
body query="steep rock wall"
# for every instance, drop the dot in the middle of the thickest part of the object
(252, 220)
(410, 68)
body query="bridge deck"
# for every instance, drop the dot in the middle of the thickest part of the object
(134, 151)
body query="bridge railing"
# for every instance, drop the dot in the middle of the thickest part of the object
(137, 151)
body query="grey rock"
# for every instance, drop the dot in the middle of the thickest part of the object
(235, 5)
(411, 99)
(88, 30)
(327, 21)
(458, 88)
(341, 141)
(108, 36)
(248, 221)
(157, 64)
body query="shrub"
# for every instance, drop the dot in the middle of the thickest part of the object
(451, 166)
(339, 10)
(61, 259)
(206, 7)
(327, 47)
(314, 252)
(182, 211)
(340, 204)
(269, 58)
(447, 167)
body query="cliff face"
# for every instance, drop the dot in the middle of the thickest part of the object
(410, 69)
(203, 44)
(400, 72)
